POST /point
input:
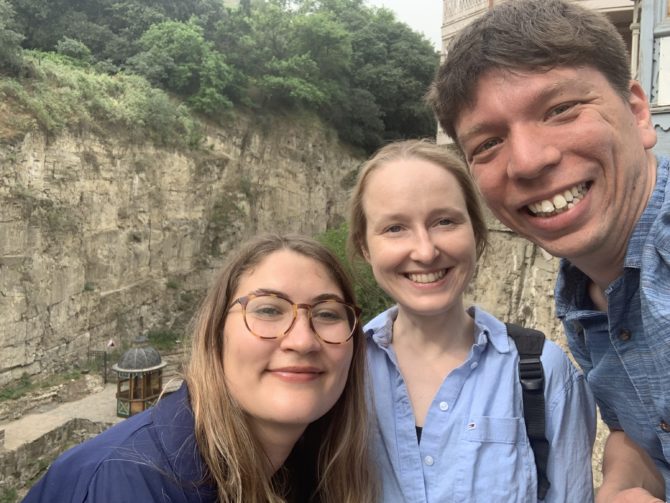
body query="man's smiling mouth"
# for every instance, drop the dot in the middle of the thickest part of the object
(561, 202)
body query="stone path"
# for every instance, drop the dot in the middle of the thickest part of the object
(97, 407)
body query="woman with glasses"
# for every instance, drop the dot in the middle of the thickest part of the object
(447, 395)
(273, 405)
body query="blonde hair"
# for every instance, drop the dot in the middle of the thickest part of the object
(235, 461)
(414, 149)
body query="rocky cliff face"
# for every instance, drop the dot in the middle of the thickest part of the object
(104, 240)
(515, 281)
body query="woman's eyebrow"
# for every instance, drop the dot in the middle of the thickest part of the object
(283, 295)
(328, 296)
(266, 291)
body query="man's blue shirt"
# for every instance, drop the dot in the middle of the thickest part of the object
(625, 352)
(474, 445)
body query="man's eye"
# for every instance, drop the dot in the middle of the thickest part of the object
(562, 108)
(488, 144)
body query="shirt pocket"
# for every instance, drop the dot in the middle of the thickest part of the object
(495, 462)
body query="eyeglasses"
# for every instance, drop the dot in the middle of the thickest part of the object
(269, 316)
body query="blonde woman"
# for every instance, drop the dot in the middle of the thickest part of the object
(447, 395)
(273, 409)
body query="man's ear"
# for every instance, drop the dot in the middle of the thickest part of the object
(639, 106)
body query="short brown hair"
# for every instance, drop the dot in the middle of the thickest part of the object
(414, 149)
(531, 35)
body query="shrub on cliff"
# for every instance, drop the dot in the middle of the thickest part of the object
(63, 94)
(372, 299)
(357, 67)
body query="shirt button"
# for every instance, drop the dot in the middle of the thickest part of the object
(474, 365)
(625, 334)
(444, 405)
(429, 460)
(665, 426)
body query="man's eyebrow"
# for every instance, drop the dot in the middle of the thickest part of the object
(545, 94)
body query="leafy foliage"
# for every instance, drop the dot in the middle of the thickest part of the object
(356, 66)
(10, 40)
(63, 93)
(369, 296)
(74, 49)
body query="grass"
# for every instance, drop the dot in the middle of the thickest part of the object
(8, 496)
(25, 385)
(164, 340)
(21, 387)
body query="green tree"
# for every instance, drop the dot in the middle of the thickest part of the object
(10, 40)
(176, 57)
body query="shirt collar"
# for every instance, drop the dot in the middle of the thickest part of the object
(487, 329)
(641, 231)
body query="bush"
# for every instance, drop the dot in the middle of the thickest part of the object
(64, 94)
(372, 299)
(74, 49)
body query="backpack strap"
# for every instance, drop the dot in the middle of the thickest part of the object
(529, 344)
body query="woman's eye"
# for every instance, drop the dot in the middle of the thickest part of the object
(445, 221)
(267, 312)
(327, 316)
(393, 228)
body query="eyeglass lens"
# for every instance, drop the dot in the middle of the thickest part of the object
(270, 317)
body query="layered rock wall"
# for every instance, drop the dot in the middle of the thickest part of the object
(101, 239)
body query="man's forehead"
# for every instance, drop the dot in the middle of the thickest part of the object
(528, 87)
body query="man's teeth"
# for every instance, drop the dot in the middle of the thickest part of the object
(560, 202)
(427, 277)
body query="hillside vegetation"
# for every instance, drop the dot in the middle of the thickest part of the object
(77, 62)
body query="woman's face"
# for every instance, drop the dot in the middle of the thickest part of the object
(291, 381)
(419, 237)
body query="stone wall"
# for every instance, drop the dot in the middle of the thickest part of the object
(102, 240)
(21, 467)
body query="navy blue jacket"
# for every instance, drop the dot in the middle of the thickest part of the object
(150, 457)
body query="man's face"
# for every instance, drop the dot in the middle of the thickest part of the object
(561, 158)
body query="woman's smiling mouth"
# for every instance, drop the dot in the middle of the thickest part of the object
(426, 277)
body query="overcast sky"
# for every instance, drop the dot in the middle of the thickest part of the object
(424, 16)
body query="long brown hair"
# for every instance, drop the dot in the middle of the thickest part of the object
(235, 461)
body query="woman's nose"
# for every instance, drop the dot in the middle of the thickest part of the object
(301, 337)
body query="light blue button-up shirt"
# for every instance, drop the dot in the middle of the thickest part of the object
(473, 445)
(625, 352)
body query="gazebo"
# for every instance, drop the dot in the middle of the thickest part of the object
(140, 378)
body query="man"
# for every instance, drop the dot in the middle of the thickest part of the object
(538, 96)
